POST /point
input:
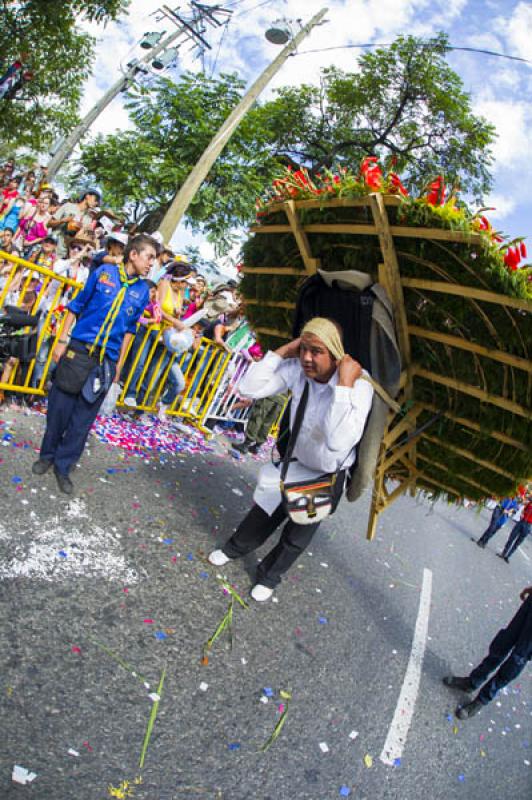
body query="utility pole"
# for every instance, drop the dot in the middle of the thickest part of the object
(188, 30)
(196, 177)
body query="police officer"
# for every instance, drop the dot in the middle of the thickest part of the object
(105, 314)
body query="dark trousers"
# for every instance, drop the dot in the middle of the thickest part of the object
(508, 654)
(498, 519)
(519, 533)
(68, 421)
(258, 526)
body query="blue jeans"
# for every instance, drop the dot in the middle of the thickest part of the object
(175, 383)
(498, 519)
(519, 533)
(139, 342)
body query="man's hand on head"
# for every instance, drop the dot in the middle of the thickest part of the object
(349, 371)
(290, 350)
(526, 591)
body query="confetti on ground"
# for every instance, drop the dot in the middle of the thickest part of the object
(161, 635)
(72, 752)
(148, 440)
(345, 791)
(22, 775)
(368, 761)
(234, 746)
(324, 747)
(203, 686)
(353, 735)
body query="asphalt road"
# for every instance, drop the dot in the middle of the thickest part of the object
(112, 583)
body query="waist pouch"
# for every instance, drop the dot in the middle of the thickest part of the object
(309, 501)
(73, 369)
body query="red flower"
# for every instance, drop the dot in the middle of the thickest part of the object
(522, 248)
(396, 183)
(512, 258)
(371, 172)
(436, 195)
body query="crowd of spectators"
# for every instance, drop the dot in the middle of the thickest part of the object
(74, 236)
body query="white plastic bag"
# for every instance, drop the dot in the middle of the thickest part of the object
(109, 404)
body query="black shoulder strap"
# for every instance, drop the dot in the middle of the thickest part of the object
(295, 431)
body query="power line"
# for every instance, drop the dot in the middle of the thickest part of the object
(388, 44)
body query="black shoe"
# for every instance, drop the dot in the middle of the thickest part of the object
(504, 558)
(453, 682)
(41, 466)
(63, 481)
(254, 448)
(481, 543)
(469, 709)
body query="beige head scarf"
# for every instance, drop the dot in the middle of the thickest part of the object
(325, 330)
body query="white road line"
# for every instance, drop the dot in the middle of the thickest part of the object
(396, 739)
(524, 554)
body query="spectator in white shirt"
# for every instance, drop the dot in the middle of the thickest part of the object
(338, 404)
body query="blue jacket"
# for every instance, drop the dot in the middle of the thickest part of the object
(94, 301)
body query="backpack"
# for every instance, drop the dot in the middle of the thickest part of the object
(350, 307)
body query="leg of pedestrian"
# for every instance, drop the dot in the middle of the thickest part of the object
(60, 409)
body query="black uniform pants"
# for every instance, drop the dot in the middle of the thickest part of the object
(508, 654)
(258, 526)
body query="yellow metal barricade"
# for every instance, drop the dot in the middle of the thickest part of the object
(204, 369)
(146, 378)
(16, 279)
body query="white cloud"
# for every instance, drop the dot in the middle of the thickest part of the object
(503, 206)
(518, 30)
(512, 120)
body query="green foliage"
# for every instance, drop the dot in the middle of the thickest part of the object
(405, 104)
(48, 38)
(174, 122)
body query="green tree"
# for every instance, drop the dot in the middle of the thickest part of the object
(405, 104)
(48, 38)
(141, 169)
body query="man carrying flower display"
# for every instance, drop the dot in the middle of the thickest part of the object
(330, 404)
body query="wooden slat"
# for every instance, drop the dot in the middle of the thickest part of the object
(424, 477)
(311, 264)
(473, 391)
(470, 456)
(393, 274)
(466, 291)
(269, 303)
(468, 423)
(273, 332)
(463, 478)
(463, 344)
(363, 229)
(272, 271)
(337, 202)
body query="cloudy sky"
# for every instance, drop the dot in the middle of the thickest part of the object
(501, 89)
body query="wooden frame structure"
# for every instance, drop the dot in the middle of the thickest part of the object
(400, 458)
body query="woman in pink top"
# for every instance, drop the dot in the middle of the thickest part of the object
(33, 230)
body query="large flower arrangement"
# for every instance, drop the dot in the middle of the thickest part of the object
(438, 206)
(482, 259)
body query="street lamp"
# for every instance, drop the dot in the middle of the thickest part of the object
(279, 32)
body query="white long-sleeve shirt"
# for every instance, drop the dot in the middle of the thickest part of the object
(332, 425)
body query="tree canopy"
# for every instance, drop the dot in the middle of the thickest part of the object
(404, 104)
(48, 38)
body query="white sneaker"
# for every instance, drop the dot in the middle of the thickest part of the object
(218, 558)
(261, 593)
(130, 401)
